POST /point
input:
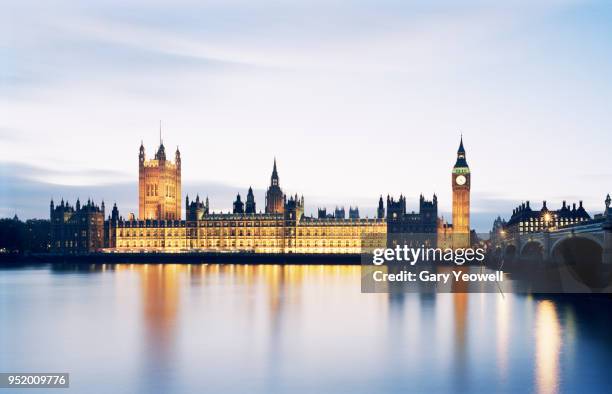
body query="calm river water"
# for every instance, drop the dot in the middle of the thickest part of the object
(308, 329)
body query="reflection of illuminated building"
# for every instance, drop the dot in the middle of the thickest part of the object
(548, 347)
(503, 312)
(159, 300)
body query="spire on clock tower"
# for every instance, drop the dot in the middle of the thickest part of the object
(461, 183)
(461, 162)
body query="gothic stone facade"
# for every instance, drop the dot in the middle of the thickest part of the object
(286, 232)
(78, 229)
(282, 228)
(159, 186)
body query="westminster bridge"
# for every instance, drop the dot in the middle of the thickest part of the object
(585, 242)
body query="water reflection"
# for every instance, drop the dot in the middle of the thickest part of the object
(548, 348)
(503, 315)
(460, 308)
(267, 328)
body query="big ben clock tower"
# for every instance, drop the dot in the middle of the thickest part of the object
(461, 200)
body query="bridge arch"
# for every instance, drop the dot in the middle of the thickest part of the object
(510, 252)
(583, 249)
(583, 256)
(532, 250)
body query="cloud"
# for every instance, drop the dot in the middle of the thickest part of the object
(356, 99)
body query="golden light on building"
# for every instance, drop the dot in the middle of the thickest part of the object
(458, 233)
(461, 183)
(256, 233)
(159, 185)
(281, 228)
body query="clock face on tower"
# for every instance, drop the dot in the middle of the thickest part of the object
(460, 180)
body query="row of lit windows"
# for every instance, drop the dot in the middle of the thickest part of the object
(150, 244)
(232, 223)
(152, 190)
(153, 233)
(83, 234)
(241, 244)
(217, 234)
(558, 222)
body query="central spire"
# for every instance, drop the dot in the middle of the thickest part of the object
(274, 174)
(161, 151)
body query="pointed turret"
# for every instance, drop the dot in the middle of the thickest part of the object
(380, 212)
(250, 201)
(461, 161)
(461, 149)
(274, 178)
(141, 154)
(238, 205)
(161, 151)
(115, 213)
(275, 199)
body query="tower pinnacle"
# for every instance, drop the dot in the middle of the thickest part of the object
(274, 178)
(461, 148)
(461, 162)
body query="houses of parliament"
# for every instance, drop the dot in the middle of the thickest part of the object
(282, 227)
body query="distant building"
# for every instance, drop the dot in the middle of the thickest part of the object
(282, 228)
(159, 186)
(285, 230)
(497, 233)
(526, 220)
(77, 229)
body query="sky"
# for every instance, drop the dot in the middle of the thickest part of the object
(354, 99)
